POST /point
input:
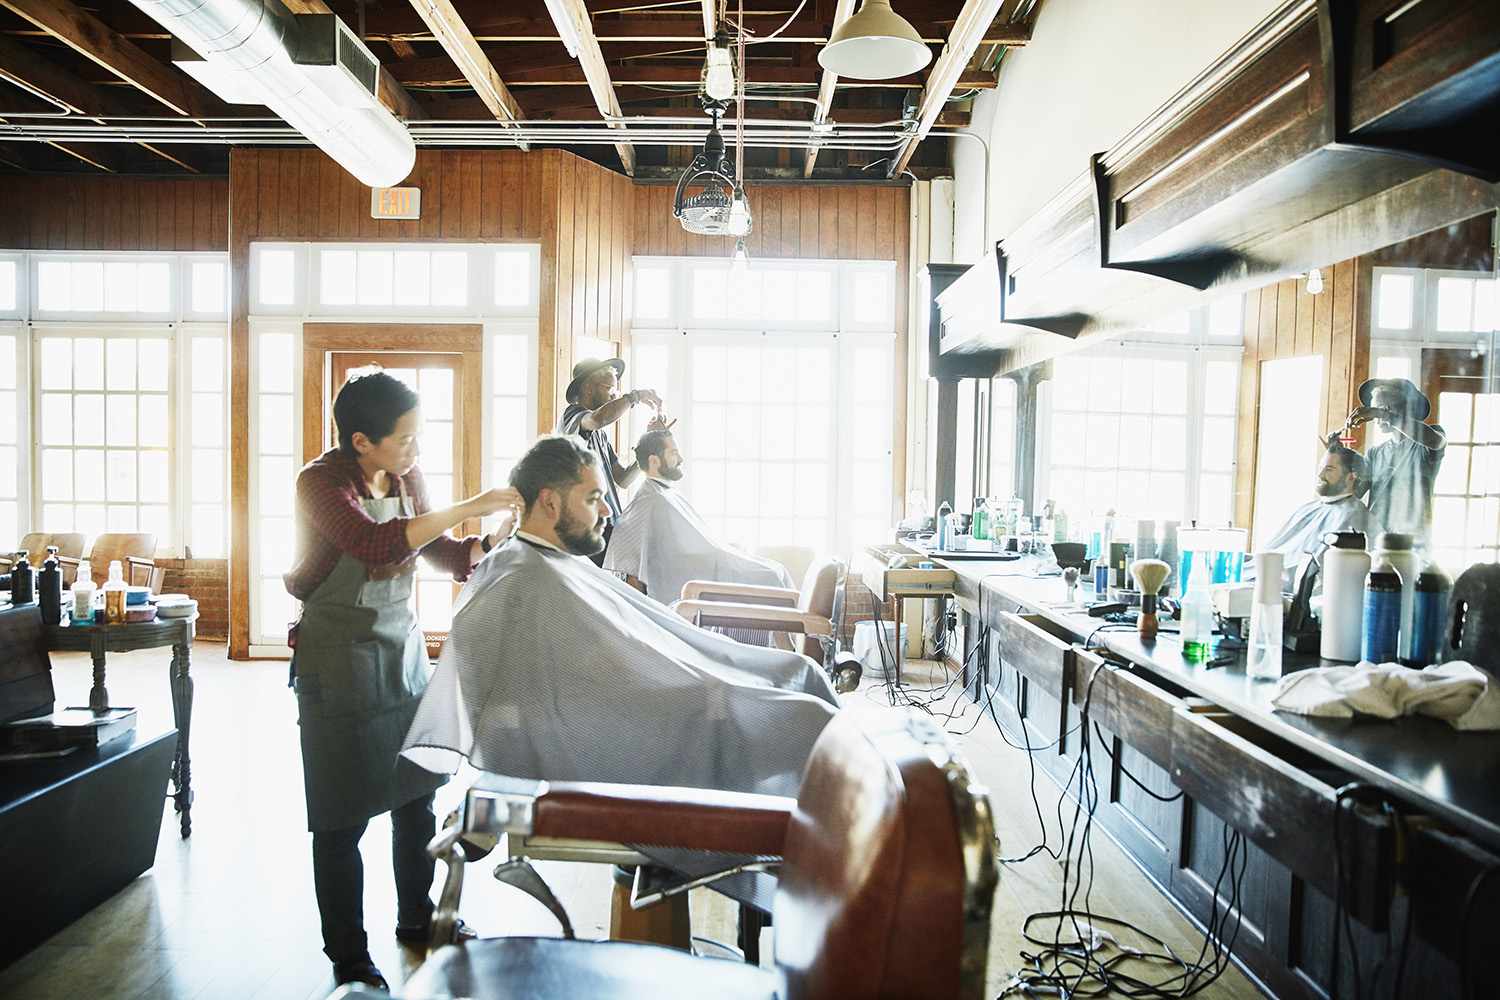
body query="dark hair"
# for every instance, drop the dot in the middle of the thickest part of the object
(651, 443)
(370, 405)
(1355, 463)
(555, 462)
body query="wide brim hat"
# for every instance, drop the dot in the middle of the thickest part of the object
(587, 369)
(1418, 406)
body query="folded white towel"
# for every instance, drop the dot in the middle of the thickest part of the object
(1457, 692)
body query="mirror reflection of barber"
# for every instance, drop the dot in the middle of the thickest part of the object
(1343, 475)
(596, 403)
(359, 660)
(1404, 468)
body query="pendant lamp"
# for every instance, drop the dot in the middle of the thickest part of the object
(875, 44)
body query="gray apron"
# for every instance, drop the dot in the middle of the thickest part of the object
(361, 667)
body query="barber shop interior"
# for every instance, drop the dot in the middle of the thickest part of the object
(803, 499)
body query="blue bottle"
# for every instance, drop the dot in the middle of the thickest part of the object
(1428, 617)
(1382, 614)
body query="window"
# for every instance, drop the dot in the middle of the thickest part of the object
(512, 380)
(1002, 437)
(209, 290)
(207, 477)
(273, 434)
(104, 430)
(388, 277)
(10, 437)
(515, 276)
(1287, 436)
(1466, 497)
(1117, 432)
(653, 292)
(791, 295)
(9, 299)
(71, 286)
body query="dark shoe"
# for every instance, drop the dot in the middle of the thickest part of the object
(360, 971)
(421, 935)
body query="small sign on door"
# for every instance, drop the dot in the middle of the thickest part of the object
(396, 203)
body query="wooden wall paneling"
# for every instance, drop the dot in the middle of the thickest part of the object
(428, 172)
(618, 282)
(93, 220)
(592, 231)
(580, 196)
(531, 206)
(244, 214)
(791, 222)
(547, 311)
(808, 214)
(755, 243)
(1360, 277)
(1244, 476)
(884, 245)
(78, 218)
(36, 228)
(1322, 340)
(492, 196)
(1341, 342)
(451, 203)
(289, 193)
(268, 223)
(328, 196)
(110, 237)
(1304, 334)
(848, 225)
(1286, 319)
(828, 224)
(470, 209)
(864, 230)
(512, 195)
(563, 332)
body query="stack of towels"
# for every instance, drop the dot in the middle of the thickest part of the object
(1457, 692)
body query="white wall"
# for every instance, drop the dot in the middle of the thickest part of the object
(1093, 71)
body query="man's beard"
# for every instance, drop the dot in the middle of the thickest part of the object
(672, 475)
(579, 538)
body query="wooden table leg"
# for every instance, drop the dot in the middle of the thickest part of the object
(98, 696)
(182, 715)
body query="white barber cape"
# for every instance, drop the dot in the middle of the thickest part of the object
(662, 542)
(557, 670)
(1301, 537)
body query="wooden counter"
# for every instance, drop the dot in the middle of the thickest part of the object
(1210, 733)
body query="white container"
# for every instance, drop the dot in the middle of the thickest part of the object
(1396, 549)
(83, 593)
(875, 648)
(1263, 661)
(1344, 572)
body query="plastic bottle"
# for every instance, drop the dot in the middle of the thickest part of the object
(83, 594)
(1198, 614)
(940, 526)
(114, 594)
(1382, 614)
(49, 588)
(1429, 617)
(22, 580)
(1397, 550)
(1345, 565)
(979, 524)
(1264, 659)
(1060, 526)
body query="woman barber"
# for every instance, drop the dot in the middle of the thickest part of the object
(359, 660)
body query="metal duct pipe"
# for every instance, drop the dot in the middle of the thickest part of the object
(253, 40)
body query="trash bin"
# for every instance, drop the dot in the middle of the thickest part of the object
(875, 655)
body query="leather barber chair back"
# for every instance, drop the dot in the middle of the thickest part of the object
(820, 596)
(885, 891)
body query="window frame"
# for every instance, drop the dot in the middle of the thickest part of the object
(175, 272)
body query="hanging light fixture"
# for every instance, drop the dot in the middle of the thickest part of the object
(875, 44)
(718, 69)
(706, 190)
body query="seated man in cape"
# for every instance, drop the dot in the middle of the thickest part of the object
(1342, 477)
(557, 670)
(664, 543)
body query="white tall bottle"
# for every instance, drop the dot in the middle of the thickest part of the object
(1345, 566)
(1264, 659)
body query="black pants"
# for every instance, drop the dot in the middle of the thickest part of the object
(339, 878)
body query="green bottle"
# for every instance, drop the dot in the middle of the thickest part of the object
(979, 524)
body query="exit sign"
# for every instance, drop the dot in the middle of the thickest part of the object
(396, 203)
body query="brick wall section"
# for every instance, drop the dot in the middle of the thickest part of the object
(859, 606)
(207, 582)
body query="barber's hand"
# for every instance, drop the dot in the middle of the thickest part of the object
(1365, 414)
(648, 396)
(498, 499)
(660, 422)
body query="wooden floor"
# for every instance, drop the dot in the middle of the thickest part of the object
(230, 912)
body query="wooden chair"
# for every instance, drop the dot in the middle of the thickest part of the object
(887, 880)
(69, 549)
(134, 550)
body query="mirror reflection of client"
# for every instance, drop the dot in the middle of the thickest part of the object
(1343, 476)
(663, 542)
(1404, 468)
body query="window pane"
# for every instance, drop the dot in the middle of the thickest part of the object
(59, 517)
(436, 388)
(277, 285)
(208, 532)
(1395, 301)
(7, 362)
(119, 286)
(209, 294)
(57, 363)
(120, 474)
(815, 431)
(744, 295)
(511, 429)
(709, 292)
(208, 419)
(780, 288)
(1170, 387)
(1135, 441)
(374, 277)
(1169, 443)
(119, 363)
(154, 294)
(155, 424)
(208, 475)
(1215, 499)
(1453, 474)
(275, 431)
(121, 421)
(1220, 387)
(872, 291)
(336, 277)
(744, 363)
(88, 418)
(513, 278)
(155, 478)
(1218, 443)
(1455, 413)
(57, 418)
(207, 363)
(277, 483)
(437, 446)
(276, 363)
(54, 286)
(9, 478)
(1484, 306)
(7, 293)
(435, 605)
(510, 372)
(89, 476)
(450, 279)
(412, 277)
(440, 491)
(275, 611)
(1455, 305)
(86, 286)
(1136, 372)
(274, 546)
(57, 474)
(708, 374)
(653, 292)
(90, 519)
(708, 431)
(1225, 317)
(9, 528)
(8, 429)
(153, 518)
(155, 364)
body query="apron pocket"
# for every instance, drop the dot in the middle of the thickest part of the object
(338, 681)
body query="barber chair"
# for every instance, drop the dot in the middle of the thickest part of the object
(69, 549)
(815, 614)
(134, 550)
(887, 877)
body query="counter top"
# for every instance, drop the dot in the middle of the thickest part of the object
(1451, 774)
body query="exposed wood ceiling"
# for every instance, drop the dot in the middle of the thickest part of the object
(482, 61)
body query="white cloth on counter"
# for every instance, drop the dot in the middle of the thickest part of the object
(664, 543)
(1457, 692)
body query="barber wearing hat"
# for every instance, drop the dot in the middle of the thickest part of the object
(1404, 468)
(595, 403)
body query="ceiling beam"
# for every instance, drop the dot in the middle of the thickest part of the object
(591, 60)
(387, 91)
(710, 18)
(91, 37)
(826, 86)
(29, 71)
(644, 75)
(456, 39)
(947, 72)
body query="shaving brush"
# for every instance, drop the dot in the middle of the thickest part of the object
(1149, 575)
